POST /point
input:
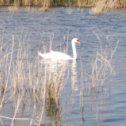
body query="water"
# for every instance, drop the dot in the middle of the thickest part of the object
(103, 107)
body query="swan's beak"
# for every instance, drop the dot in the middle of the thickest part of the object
(78, 42)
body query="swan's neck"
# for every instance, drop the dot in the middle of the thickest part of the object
(74, 51)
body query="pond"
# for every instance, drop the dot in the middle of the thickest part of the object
(80, 103)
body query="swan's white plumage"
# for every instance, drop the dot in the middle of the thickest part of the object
(54, 55)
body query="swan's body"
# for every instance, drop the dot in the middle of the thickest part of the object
(54, 55)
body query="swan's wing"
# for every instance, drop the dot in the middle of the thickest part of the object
(60, 56)
(45, 55)
(40, 54)
(55, 55)
(52, 51)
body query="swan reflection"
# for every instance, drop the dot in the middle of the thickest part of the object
(74, 76)
(55, 73)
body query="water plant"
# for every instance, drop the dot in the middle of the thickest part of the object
(102, 67)
(98, 4)
(104, 5)
(30, 88)
(25, 84)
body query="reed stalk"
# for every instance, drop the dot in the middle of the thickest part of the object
(49, 3)
(97, 6)
(25, 84)
(102, 68)
(8, 74)
(106, 5)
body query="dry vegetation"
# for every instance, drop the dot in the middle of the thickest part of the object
(98, 6)
(31, 88)
(79, 3)
(104, 5)
(102, 68)
(48, 2)
(27, 85)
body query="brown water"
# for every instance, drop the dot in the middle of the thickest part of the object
(105, 106)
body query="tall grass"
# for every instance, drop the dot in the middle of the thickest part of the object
(27, 85)
(102, 67)
(106, 5)
(98, 6)
(49, 2)
(32, 88)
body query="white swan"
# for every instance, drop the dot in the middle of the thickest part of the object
(54, 55)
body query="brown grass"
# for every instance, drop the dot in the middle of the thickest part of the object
(98, 6)
(102, 68)
(26, 85)
(106, 5)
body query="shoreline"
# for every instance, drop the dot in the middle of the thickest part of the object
(63, 3)
(96, 6)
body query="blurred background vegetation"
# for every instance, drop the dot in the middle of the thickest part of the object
(51, 3)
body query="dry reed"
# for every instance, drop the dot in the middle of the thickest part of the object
(25, 84)
(102, 68)
(98, 6)
(106, 5)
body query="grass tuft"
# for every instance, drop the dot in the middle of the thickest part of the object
(102, 68)
(26, 85)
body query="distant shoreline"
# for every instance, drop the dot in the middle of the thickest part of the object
(61, 3)
(97, 6)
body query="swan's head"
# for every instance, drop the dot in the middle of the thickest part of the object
(75, 40)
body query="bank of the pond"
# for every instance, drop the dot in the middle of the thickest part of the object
(48, 2)
(55, 3)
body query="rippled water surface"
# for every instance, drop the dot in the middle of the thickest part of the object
(103, 107)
